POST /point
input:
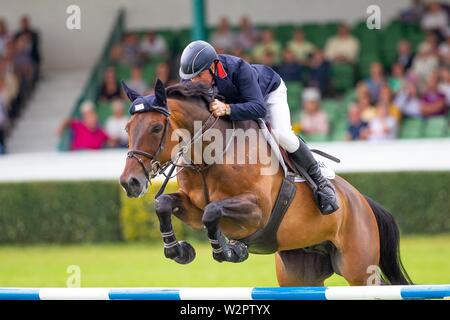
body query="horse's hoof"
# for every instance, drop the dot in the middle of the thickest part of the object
(235, 252)
(182, 253)
(187, 253)
(239, 251)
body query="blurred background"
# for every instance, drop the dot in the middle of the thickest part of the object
(378, 99)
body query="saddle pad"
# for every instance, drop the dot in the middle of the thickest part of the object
(327, 172)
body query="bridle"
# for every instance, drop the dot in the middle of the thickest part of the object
(155, 164)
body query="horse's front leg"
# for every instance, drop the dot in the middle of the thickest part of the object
(244, 211)
(179, 251)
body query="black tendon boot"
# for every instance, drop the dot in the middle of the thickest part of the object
(325, 194)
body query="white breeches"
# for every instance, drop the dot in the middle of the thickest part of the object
(279, 117)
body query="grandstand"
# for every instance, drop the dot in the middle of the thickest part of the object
(338, 96)
(376, 46)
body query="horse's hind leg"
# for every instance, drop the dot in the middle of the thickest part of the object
(244, 211)
(166, 204)
(300, 268)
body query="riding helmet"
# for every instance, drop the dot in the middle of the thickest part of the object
(196, 57)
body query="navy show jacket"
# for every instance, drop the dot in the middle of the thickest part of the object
(244, 87)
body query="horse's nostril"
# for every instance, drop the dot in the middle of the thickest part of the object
(133, 182)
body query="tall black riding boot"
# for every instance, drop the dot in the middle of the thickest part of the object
(325, 194)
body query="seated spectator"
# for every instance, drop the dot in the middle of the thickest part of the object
(248, 35)
(375, 81)
(110, 88)
(408, 100)
(223, 39)
(115, 55)
(342, 48)
(23, 61)
(431, 42)
(3, 124)
(289, 69)
(5, 37)
(163, 73)
(405, 56)
(397, 78)
(153, 45)
(300, 47)
(268, 43)
(414, 13)
(382, 126)
(433, 101)
(10, 90)
(268, 59)
(435, 19)
(385, 98)
(136, 82)
(115, 126)
(444, 85)
(32, 36)
(425, 63)
(444, 49)
(313, 119)
(365, 107)
(357, 129)
(86, 133)
(320, 72)
(130, 50)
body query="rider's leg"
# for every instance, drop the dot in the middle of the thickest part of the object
(280, 119)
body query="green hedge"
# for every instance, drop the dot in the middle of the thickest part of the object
(64, 212)
(419, 201)
(59, 212)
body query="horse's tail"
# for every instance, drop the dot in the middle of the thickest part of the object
(390, 263)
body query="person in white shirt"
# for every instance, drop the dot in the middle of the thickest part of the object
(115, 126)
(136, 82)
(223, 39)
(444, 85)
(382, 126)
(435, 19)
(343, 47)
(153, 45)
(408, 100)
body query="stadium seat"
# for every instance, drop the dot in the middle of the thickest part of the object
(411, 128)
(294, 93)
(436, 127)
(333, 108)
(123, 72)
(104, 110)
(315, 137)
(339, 130)
(149, 73)
(284, 33)
(343, 77)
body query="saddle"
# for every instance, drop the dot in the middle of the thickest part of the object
(287, 163)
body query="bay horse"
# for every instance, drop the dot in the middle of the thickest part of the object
(233, 201)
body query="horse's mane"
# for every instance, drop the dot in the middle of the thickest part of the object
(189, 91)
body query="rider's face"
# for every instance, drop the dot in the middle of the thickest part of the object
(204, 77)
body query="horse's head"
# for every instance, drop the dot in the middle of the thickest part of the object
(147, 138)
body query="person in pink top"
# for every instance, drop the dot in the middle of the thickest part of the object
(86, 133)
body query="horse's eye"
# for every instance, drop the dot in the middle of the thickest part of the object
(157, 128)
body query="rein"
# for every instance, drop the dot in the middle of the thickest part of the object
(158, 168)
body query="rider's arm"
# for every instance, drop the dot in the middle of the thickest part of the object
(254, 107)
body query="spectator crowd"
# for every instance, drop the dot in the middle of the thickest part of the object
(19, 71)
(415, 85)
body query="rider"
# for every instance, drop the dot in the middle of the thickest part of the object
(253, 91)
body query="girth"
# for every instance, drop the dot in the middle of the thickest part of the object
(264, 241)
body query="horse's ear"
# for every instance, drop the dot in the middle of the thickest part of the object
(160, 93)
(131, 94)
